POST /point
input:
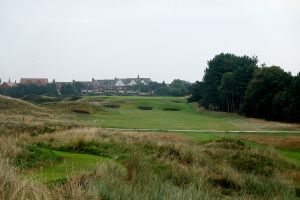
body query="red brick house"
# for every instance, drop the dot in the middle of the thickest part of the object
(34, 81)
(6, 85)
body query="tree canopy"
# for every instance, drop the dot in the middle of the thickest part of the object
(236, 84)
(224, 82)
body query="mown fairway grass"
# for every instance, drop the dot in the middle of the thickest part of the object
(128, 115)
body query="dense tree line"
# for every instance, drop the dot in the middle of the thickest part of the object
(51, 90)
(33, 89)
(236, 84)
(273, 94)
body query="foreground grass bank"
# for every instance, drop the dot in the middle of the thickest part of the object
(130, 165)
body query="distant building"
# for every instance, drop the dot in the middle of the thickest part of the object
(86, 87)
(117, 85)
(34, 81)
(6, 85)
(101, 86)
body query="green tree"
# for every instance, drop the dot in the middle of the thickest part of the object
(51, 90)
(227, 91)
(225, 81)
(267, 92)
(179, 87)
(68, 89)
(294, 107)
(197, 90)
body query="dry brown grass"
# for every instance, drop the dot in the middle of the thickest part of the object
(186, 168)
(12, 186)
(90, 134)
(287, 142)
(261, 124)
(187, 164)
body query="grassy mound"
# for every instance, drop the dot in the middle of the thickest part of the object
(7, 103)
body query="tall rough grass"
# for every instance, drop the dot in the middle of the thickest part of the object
(147, 166)
(12, 186)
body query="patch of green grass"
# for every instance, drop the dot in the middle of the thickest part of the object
(71, 164)
(111, 150)
(292, 155)
(206, 137)
(33, 157)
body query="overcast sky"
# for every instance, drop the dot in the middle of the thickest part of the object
(161, 39)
